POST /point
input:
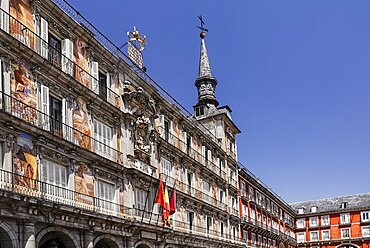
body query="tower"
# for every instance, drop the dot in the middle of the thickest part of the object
(206, 84)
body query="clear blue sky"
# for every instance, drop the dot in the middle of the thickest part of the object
(295, 73)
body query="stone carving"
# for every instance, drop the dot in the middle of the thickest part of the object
(142, 134)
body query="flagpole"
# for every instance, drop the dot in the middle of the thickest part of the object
(147, 196)
(151, 213)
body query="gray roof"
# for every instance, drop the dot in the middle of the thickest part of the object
(204, 67)
(334, 204)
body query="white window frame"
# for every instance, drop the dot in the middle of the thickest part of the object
(104, 134)
(313, 220)
(342, 231)
(302, 234)
(365, 216)
(50, 167)
(345, 218)
(367, 233)
(311, 236)
(107, 203)
(326, 219)
(322, 234)
(301, 223)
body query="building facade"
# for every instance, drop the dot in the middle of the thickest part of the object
(334, 222)
(86, 135)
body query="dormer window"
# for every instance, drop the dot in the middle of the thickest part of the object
(313, 209)
(199, 111)
(300, 210)
(343, 205)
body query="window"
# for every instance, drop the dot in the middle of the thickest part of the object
(366, 231)
(345, 218)
(207, 187)
(166, 166)
(313, 209)
(343, 205)
(325, 220)
(222, 231)
(222, 196)
(245, 236)
(199, 111)
(274, 243)
(345, 232)
(365, 216)
(208, 223)
(301, 237)
(300, 210)
(313, 221)
(140, 199)
(166, 130)
(56, 114)
(55, 50)
(259, 241)
(251, 193)
(103, 139)
(253, 214)
(106, 192)
(253, 240)
(325, 234)
(103, 86)
(300, 223)
(243, 188)
(191, 220)
(314, 236)
(53, 173)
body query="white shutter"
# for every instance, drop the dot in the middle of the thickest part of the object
(95, 76)
(44, 37)
(1, 84)
(109, 90)
(203, 153)
(6, 84)
(65, 120)
(45, 107)
(67, 58)
(210, 155)
(4, 15)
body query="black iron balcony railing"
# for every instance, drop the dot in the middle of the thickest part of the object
(187, 149)
(30, 39)
(56, 127)
(191, 191)
(19, 184)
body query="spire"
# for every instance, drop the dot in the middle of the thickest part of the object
(206, 82)
(204, 67)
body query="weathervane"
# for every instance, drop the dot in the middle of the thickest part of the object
(202, 28)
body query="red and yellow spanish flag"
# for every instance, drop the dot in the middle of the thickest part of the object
(166, 207)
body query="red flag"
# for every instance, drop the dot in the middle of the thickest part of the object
(160, 194)
(166, 207)
(173, 202)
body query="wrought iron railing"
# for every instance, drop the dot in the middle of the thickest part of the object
(56, 127)
(191, 152)
(194, 192)
(30, 39)
(19, 184)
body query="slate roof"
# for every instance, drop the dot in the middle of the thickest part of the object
(358, 201)
(204, 66)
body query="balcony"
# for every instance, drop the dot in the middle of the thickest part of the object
(193, 192)
(192, 153)
(54, 57)
(233, 182)
(57, 128)
(20, 185)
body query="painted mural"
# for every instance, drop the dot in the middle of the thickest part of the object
(82, 60)
(24, 90)
(81, 122)
(84, 184)
(21, 11)
(25, 164)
